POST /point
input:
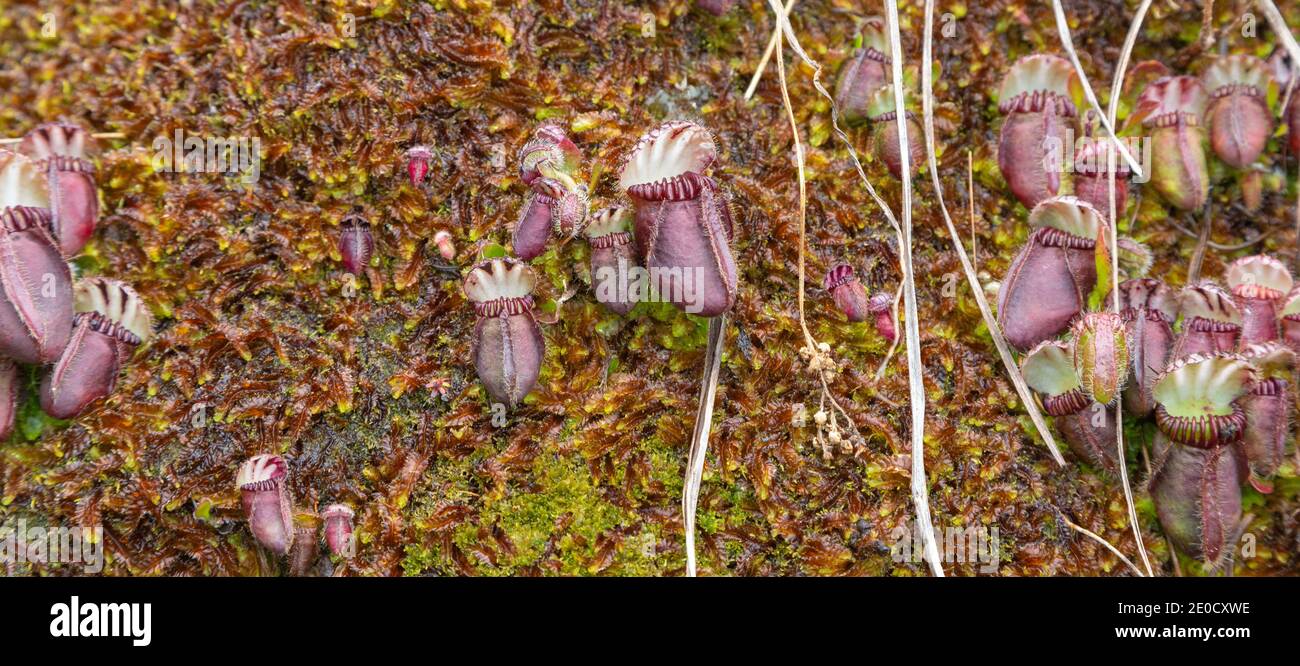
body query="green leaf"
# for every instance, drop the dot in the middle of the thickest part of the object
(1104, 281)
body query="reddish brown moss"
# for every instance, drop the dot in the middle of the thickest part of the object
(258, 327)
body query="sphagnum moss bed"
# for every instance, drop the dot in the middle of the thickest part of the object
(368, 388)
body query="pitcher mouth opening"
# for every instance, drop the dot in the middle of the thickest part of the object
(1204, 432)
(1207, 307)
(1069, 215)
(1242, 73)
(1070, 402)
(22, 182)
(262, 472)
(497, 279)
(838, 276)
(1171, 100)
(1197, 399)
(668, 163)
(58, 139)
(1259, 277)
(1036, 81)
(117, 301)
(1049, 371)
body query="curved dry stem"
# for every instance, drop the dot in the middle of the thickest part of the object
(1084, 531)
(914, 369)
(1202, 241)
(1284, 35)
(793, 41)
(767, 54)
(1279, 26)
(893, 346)
(700, 435)
(96, 135)
(920, 488)
(1111, 111)
(990, 321)
(1222, 247)
(803, 186)
(810, 342)
(1062, 27)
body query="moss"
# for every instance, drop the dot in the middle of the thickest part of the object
(259, 327)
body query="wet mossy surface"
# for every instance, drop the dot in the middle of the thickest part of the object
(367, 386)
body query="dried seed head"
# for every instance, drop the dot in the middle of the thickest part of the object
(262, 484)
(1101, 355)
(356, 243)
(338, 529)
(1196, 399)
(417, 163)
